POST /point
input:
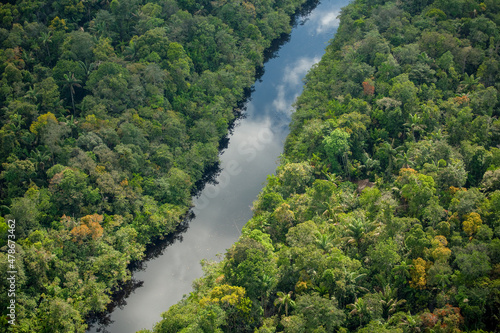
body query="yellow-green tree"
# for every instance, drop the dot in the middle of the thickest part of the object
(233, 300)
(41, 121)
(418, 274)
(439, 250)
(472, 223)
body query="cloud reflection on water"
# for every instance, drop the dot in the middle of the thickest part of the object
(325, 21)
(216, 226)
(287, 92)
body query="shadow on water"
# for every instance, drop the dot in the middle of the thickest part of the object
(299, 18)
(123, 291)
(160, 245)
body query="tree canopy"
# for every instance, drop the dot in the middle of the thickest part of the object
(110, 113)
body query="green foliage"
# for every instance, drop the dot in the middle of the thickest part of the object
(417, 189)
(336, 145)
(319, 312)
(403, 237)
(114, 129)
(252, 271)
(384, 256)
(473, 265)
(294, 178)
(116, 109)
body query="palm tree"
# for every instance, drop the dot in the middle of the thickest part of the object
(401, 272)
(352, 287)
(358, 232)
(359, 308)
(414, 123)
(324, 242)
(404, 161)
(5, 209)
(442, 280)
(98, 28)
(17, 121)
(87, 69)
(284, 300)
(411, 323)
(71, 82)
(469, 83)
(28, 57)
(130, 51)
(45, 39)
(438, 135)
(39, 158)
(322, 290)
(389, 301)
(355, 232)
(332, 209)
(268, 284)
(387, 150)
(332, 177)
(370, 165)
(32, 95)
(71, 123)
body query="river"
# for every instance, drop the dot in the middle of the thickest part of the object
(223, 206)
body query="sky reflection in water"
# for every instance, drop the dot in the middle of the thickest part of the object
(222, 209)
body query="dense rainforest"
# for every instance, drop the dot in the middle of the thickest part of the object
(384, 214)
(110, 113)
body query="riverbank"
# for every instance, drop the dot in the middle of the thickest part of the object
(382, 216)
(216, 226)
(106, 128)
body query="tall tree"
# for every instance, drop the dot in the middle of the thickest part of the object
(71, 82)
